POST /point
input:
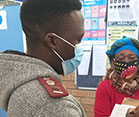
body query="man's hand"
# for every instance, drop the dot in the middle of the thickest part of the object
(133, 112)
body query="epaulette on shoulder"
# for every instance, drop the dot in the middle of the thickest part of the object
(54, 88)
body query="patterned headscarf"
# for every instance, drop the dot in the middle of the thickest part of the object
(122, 44)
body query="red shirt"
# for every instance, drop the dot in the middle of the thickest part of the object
(107, 97)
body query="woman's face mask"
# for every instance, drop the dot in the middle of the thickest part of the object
(126, 69)
(71, 64)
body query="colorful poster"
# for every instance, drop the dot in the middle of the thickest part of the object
(94, 12)
(118, 29)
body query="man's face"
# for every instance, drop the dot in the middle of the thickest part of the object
(73, 33)
(72, 30)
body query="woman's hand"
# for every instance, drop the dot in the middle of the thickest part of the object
(133, 112)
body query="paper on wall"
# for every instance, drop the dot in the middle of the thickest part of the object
(99, 60)
(84, 66)
(3, 20)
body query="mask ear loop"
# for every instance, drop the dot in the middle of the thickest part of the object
(112, 62)
(111, 74)
(58, 55)
(114, 59)
(63, 40)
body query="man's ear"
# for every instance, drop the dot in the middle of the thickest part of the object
(50, 40)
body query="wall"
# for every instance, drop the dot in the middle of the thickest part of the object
(85, 97)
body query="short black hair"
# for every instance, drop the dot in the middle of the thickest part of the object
(39, 17)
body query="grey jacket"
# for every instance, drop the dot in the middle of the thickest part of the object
(22, 95)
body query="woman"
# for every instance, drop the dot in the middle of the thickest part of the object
(121, 80)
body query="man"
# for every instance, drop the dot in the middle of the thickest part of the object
(30, 84)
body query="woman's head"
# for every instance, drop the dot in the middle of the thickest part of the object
(124, 56)
(123, 44)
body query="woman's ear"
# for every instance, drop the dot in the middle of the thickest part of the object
(50, 40)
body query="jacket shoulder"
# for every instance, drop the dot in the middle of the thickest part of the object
(54, 87)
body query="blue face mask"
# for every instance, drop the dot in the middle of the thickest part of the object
(71, 64)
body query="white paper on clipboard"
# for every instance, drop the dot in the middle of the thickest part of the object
(120, 110)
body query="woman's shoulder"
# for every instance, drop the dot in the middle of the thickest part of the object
(105, 83)
(105, 86)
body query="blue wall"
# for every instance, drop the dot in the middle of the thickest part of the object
(12, 37)
(3, 113)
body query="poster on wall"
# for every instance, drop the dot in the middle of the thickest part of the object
(122, 21)
(123, 10)
(119, 10)
(119, 29)
(94, 40)
(94, 21)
